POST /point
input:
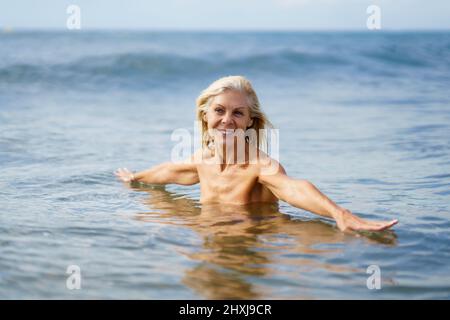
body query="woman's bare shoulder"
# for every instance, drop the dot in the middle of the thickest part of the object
(267, 164)
(200, 155)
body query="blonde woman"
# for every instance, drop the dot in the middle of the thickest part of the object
(229, 174)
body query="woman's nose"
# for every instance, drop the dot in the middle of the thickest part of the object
(226, 119)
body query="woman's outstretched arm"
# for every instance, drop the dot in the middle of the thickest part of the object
(304, 195)
(165, 173)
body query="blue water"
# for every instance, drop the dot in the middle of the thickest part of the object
(364, 116)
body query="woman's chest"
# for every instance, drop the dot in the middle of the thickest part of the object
(234, 185)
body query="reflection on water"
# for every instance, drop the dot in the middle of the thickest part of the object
(242, 245)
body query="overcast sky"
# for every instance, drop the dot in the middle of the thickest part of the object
(226, 14)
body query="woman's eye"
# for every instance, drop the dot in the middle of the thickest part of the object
(219, 110)
(238, 113)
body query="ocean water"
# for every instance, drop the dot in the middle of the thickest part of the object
(364, 116)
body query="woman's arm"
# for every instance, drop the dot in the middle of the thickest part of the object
(304, 195)
(165, 173)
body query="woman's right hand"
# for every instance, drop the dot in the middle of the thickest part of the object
(124, 174)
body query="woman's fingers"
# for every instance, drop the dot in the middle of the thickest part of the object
(376, 226)
(123, 174)
(122, 171)
(119, 173)
(386, 224)
(390, 224)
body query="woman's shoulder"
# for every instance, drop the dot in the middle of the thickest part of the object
(200, 155)
(267, 164)
(261, 157)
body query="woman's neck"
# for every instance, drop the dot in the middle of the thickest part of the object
(230, 154)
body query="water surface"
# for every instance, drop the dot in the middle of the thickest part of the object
(364, 116)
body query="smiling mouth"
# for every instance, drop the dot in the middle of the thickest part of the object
(226, 131)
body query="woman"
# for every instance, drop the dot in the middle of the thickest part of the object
(234, 170)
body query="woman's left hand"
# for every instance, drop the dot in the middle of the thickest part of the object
(348, 221)
(124, 174)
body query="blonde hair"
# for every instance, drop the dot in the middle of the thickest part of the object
(240, 84)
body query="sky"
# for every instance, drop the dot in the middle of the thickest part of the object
(226, 14)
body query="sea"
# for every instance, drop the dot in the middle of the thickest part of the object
(364, 116)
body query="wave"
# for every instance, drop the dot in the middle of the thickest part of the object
(152, 64)
(152, 68)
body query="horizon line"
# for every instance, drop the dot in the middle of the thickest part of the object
(9, 29)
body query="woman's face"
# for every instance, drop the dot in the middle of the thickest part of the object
(228, 112)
